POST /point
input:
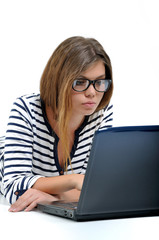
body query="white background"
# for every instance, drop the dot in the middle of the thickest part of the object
(30, 30)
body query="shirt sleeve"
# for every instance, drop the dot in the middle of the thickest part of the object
(18, 152)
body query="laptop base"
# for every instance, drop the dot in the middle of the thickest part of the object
(72, 214)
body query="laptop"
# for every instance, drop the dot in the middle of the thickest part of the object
(122, 177)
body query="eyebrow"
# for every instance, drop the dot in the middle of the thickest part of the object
(99, 77)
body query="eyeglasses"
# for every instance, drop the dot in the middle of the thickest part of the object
(100, 85)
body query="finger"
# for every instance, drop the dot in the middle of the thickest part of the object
(22, 202)
(18, 206)
(31, 206)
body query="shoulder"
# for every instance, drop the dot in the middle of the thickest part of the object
(26, 102)
(25, 105)
(108, 110)
(107, 120)
(29, 99)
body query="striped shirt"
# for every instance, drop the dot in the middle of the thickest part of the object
(30, 146)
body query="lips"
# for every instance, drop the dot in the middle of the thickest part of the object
(89, 104)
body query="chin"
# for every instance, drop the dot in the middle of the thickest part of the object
(90, 113)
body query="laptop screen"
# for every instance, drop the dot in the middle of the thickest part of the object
(123, 171)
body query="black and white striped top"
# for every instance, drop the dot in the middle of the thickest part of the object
(30, 146)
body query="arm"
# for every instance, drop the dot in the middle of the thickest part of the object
(65, 187)
(17, 170)
(59, 184)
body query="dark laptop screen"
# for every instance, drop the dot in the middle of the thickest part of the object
(123, 171)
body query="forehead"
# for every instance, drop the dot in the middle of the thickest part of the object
(94, 71)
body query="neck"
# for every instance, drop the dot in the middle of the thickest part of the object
(74, 124)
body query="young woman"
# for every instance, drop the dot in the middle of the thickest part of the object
(49, 135)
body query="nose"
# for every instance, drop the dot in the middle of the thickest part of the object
(90, 92)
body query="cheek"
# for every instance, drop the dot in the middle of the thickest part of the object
(100, 96)
(76, 99)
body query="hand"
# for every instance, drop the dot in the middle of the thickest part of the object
(70, 196)
(30, 199)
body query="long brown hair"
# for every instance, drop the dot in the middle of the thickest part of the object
(70, 58)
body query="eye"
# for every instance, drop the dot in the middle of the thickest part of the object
(79, 82)
(99, 82)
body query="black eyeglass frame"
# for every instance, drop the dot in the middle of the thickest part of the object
(93, 83)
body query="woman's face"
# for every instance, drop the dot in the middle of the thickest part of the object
(86, 102)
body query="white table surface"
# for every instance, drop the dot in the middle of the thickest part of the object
(38, 225)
